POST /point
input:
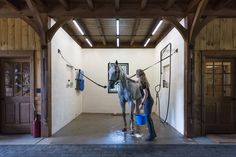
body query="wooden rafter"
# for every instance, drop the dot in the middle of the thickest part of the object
(219, 4)
(84, 28)
(144, 4)
(164, 33)
(65, 4)
(101, 31)
(169, 4)
(192, 4)
(14, 4)
(178, 26)
(70, 31)
(31, 23)
(200, 9)
(41, 4)
(134, 30)
(117, 4)
(90, 4)
(56, 26)
(32, 6)
(152, 27)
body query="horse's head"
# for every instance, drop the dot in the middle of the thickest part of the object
(113, 74)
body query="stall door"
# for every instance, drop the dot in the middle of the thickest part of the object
(16, 109)
(219, 95)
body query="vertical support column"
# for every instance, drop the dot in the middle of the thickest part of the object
(45, 81)
(189, 81)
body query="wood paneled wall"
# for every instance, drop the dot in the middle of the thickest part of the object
(219, 34)
(15, 34)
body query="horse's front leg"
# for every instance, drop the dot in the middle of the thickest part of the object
(132, 107)
(124, 117)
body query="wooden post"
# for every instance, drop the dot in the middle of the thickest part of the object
(45, 81)
(188, 81)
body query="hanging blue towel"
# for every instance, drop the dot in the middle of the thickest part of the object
(80, 80)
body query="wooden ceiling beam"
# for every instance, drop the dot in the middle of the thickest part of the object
(219, 4)
(101, 31)
(108, 11)
(192, 4)
(113, 45)
(178, 26)
(84, 28)
(13, 4)
(152, 27)
(70, 31)
(32, 23)
(65, 4)
(117, 4)
(163, 34)
(200, 9)
(41, 4)
(59, 23)
(202, 24)
(32, 6)
(144, 4)
(134, 30)
(169, 4)
(90, 4)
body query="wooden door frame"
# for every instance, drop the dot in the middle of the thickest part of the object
(18, 54)
(218, 54)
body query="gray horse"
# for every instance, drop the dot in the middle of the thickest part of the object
(128, 91)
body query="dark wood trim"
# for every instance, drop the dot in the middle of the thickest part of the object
(16, 53)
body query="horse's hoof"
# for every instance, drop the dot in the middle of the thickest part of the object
(124, 130)
(132, 132)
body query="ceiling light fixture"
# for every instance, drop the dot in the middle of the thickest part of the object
(117, 27)
(76, 24)
(117, 42)
(158, 25)
(89, 42)
(147, 42)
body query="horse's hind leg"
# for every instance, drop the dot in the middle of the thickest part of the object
(124, 117)
(138, 102)
(137, 111)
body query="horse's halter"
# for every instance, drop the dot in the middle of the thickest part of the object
(117, 72)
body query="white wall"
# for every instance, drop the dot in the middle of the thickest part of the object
(97, 99)
(176, 110)
(66, 102)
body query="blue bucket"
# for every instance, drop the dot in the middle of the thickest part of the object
(140, 119)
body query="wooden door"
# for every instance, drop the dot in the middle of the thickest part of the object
(16, 85)
(219, 95)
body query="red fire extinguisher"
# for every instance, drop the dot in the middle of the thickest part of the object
(36, 126)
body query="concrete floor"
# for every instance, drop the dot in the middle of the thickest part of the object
(104, 129)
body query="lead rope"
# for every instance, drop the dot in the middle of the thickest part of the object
(70, 65)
